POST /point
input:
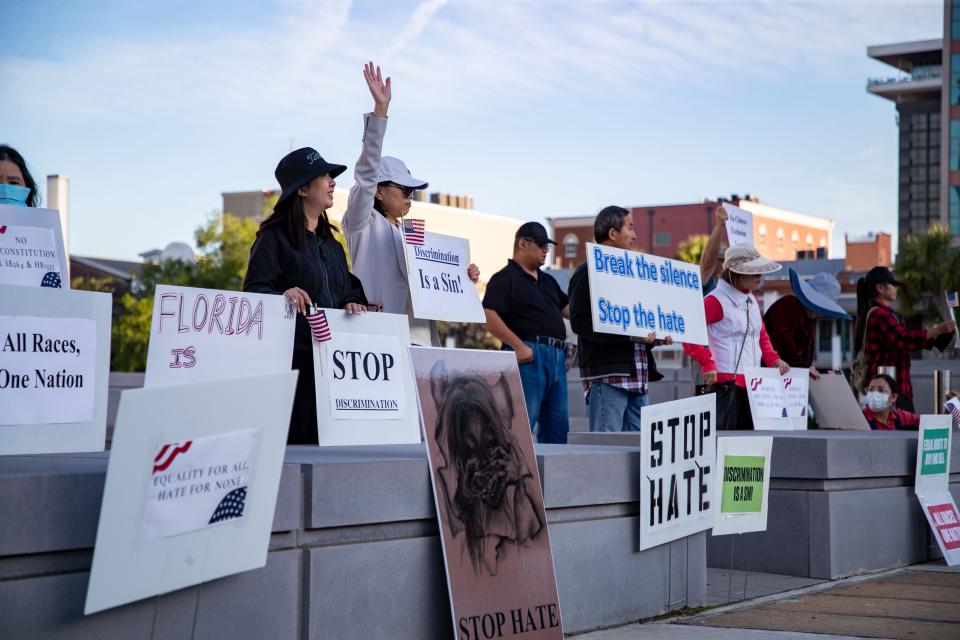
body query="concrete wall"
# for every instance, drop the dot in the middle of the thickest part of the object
(841, 503)
(354, 553)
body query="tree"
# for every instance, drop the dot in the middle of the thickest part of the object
(692, 248)
(928, 266)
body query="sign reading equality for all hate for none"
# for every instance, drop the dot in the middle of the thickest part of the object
(633, 293)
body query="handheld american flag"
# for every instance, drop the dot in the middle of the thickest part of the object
(413, 229)
(953, 301)
(318, 325)
(953, 406)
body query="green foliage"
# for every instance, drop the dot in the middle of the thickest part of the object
(928, 266)
(691, 249)
(131, 330)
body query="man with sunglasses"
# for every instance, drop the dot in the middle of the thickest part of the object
(525, 308)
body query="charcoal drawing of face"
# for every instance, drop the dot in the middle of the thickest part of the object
(488, 489)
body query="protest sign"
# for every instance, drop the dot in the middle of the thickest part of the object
(364, 382)
(768, 403)
(437, 275)
(54, 369)
(191, 486)
(834, 404)
(633, 293)
(677, 469)
(796, 393)
(741, 491)
(198, 335)
(940, 510)
(493, 526)
(31, 248)
(933, 454)
(739, 225)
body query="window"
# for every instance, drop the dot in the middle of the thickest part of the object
(954, 210)
(780, 235)
(825, 335)
(809, 239)
(762, 234)
(955, 79)
(795, 239)
(823, 241)
(955, 145)
(662, 239)
(955, 20)
(570, 242)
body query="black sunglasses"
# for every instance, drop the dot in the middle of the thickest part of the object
(406, 191)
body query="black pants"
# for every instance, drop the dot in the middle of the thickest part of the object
(303, 419)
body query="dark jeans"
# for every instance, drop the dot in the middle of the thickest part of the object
(545, 392)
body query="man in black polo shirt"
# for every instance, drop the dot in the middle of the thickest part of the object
(525, 308)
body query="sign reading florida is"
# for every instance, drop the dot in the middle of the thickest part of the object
(198, 335)
(437, 274)
(198, 483)
(633, 293)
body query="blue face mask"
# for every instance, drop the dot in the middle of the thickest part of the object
(14, 194)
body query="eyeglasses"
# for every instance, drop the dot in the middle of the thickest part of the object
(406, 191)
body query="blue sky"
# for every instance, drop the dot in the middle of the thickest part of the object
(535, 108)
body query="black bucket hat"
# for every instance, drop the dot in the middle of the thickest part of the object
(299, 167)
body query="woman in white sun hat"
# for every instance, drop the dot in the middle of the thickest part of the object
(381, 195)
(736, 335)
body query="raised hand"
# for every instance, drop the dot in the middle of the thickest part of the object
(379, 89)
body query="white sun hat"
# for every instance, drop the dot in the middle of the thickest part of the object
(746, 260)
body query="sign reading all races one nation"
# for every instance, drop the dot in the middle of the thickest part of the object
(633, 293)
(677, 469)
(208, 334)
(31, 248)
(437, 274)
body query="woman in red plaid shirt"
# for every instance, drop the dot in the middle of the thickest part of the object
(880, 332)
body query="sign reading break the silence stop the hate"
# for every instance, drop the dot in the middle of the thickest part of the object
(191, 486)
(31, 248)
(54, 366)
(634, 293)
(207, 334)
(364, 382)
(677, 469)
(437, 275)
(743, 485)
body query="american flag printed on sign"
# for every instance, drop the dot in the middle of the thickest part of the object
(230, 507)
(318, 325)
(413, 229)
(168, 454)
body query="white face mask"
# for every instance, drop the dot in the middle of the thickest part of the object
(877, 400)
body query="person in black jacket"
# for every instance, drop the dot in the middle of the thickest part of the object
(615, 370)
(296, 255)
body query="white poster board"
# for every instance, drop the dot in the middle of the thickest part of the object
(198, 335)
(633, 293)
(796, 393)
(742, 489)
(940, 510)
(200, 443)
(934, 439)
(54, 369)
(768, 404)
(364, 382)
(677, 469)
(437, 275)
(31, 248)
(834, 405)
(739, 225)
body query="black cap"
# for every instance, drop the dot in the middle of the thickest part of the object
(299, 167)
(882, 275)
(534, 231)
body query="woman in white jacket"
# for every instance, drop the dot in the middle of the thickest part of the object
(380, 197)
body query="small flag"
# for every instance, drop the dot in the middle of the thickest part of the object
(953, 405)
(953, 301)
(413, 229)
(318, 325)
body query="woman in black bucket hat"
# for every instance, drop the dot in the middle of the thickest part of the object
(296, 255)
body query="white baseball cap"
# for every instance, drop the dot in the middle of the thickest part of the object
(746, 260)
(393, 170)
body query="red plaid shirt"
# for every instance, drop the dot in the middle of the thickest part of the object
(635, 384)
(887, 342)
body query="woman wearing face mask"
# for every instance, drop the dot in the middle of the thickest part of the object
(880, 337)
(380, 197)
(736, 335)
(295, 254)
(17, 186)
(880, 412)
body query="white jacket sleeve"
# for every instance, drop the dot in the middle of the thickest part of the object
(365, 174)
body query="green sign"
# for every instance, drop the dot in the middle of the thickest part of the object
(934, 452)
(742, 484)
